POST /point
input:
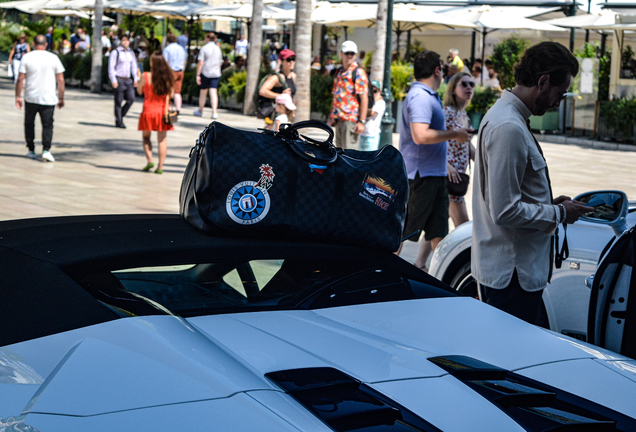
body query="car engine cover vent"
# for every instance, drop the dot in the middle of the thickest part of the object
(535, 406)
(346, 404)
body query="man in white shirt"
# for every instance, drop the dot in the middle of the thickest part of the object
(42, 71)
(176, 57)
(515, 214)
(106, 45)
(240, 47)
(208, 74)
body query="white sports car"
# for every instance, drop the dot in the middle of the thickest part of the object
(129, 323)
(567, 297)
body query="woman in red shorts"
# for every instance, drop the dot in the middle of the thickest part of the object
(157, 87)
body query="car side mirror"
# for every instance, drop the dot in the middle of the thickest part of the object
(610, 208)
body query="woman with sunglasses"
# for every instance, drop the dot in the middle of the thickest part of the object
(20, 48)
(283, 81)
(458, 94)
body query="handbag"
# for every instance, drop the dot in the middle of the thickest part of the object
(170, 117)
(283, 185)
(10, 70)
(458, 189)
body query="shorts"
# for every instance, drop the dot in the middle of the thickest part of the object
(207, 83)
(427, 208)
(346, 138)
(369, 143)
(178, 81)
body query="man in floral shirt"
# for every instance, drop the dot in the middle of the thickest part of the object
(350, 100)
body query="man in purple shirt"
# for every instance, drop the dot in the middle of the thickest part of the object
(423, 142)
(122, 71)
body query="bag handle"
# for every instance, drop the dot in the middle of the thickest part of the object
(289, 134)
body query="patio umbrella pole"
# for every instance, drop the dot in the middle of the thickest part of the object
(408, 45)
(483, 56)
(386, 133)
(472, 48)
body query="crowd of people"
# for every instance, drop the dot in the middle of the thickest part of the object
(514, 209)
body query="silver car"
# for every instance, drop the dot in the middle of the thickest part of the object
(567, 297)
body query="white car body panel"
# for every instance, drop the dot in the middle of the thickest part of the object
(434, 396)
(156, 369)
(567, 297)
(237, 413)
(621, 397)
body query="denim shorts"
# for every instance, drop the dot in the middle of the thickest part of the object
(369, 143)
(207, 83)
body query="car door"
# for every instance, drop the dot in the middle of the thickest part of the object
(612, 314)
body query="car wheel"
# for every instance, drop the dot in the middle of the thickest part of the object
(464, 282)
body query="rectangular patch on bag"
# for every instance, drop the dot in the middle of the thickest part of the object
(377, 191)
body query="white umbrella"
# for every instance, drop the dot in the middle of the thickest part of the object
(602, 18)
(26, 6)
(500, 19)
(182, 9)
(405, 17)
(244, 11)
(126, 7)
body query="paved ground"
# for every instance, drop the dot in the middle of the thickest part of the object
(98, 166)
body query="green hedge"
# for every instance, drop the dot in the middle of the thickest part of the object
(618, 115)
(79, 67)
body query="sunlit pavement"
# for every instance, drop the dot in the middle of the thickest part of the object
(98, 166)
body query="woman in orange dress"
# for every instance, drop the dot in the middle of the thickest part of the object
(156, 86)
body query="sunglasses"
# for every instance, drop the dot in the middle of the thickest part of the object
(349, 53)
(375, 90)
(290, 59)
(467, 84)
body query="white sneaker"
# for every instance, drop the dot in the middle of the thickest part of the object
(47, 156)
(31, 155)
(215, 116)
(197, 113)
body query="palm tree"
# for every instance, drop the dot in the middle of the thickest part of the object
(377, 63)
(302, 47)
(253, 57)
(96, 66)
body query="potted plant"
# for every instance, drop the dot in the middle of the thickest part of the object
(482, 100)
(626, 57)
(232, 91)
(505, 55)
(616, 118)
(401, 77)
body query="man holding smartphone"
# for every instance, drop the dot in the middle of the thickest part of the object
(423, 143)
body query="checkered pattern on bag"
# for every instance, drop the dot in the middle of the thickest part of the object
(328, 206)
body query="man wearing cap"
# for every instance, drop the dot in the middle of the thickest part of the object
(370, 138)
(350, 101)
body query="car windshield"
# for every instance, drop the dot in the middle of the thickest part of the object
(198, 289)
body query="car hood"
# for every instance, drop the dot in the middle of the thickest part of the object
(160, 361)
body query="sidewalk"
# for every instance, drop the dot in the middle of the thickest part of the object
(98, 167)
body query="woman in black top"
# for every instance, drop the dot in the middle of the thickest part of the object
(273, 86)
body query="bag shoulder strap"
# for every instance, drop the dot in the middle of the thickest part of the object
(283, 82)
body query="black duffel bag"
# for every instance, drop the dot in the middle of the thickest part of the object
(284, 185)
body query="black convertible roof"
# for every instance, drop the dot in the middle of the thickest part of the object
(40, 260)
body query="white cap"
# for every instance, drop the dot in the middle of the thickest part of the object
(349, 46)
